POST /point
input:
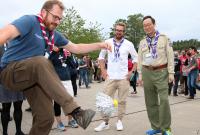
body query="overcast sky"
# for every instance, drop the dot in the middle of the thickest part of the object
(179, 19)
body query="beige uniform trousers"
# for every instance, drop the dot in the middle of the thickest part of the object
(123, 88)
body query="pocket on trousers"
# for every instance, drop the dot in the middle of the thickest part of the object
(20, 74)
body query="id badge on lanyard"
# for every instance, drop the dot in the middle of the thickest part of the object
(46, 55)
(148, 58)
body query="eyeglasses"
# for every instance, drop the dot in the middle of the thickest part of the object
(55, 17)
(119, 30)
(147, 25)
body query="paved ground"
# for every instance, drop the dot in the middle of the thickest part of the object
(185, 115)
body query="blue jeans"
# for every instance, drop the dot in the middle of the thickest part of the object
(192, 76)
(83, 76)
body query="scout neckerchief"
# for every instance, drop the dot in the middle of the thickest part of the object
(42, 27)
(116, 49)
(153, 45)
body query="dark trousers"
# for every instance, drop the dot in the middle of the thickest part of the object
(74, 85)
(176, 81)
(134, 80)
(186, 86)
(57, 109)
(37, 78)
(175, 85)
(183, 81)
(17, 115)
(170, 85)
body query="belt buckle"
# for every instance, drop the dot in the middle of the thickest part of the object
(151, 67)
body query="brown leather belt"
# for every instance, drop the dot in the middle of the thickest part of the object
(155, 67)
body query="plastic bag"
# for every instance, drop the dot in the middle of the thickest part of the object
(105, 104)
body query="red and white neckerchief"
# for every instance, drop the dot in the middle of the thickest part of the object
(42, 26)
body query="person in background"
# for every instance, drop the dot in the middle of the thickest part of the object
(192, 71)
(185, 73)
(133, 78)
(183, 77)
(95, 63)
(177, 65)
(7, 98)
(72, 65)
(58, 59)
(83, 70)
(156, 70)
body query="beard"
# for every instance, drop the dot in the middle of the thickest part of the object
(49, 25)
(119, 36)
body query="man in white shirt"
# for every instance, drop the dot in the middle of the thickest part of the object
(117, 75)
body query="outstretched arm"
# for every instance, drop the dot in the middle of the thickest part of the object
(85, 48)
(8, 33)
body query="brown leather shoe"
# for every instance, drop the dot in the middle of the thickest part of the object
(84, 117)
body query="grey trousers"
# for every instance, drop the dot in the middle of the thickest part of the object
(38, 80)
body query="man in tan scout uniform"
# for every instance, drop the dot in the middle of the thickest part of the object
(156, 69)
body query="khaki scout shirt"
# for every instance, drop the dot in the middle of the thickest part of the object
(164, 51)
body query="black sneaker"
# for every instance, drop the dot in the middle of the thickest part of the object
(84, 117)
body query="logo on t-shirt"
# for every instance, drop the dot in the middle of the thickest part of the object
(38, 36)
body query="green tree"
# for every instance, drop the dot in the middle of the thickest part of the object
(185, 44)
(74, 28)
(135, 28)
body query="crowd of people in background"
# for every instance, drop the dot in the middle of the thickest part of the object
(187, 67)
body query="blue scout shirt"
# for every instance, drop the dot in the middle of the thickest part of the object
(30, 42)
